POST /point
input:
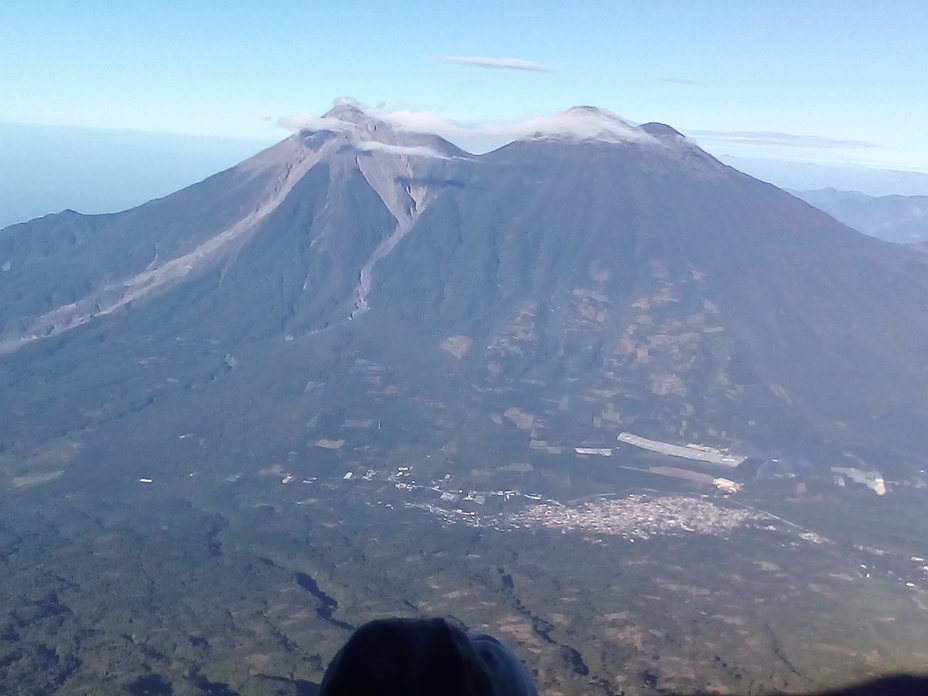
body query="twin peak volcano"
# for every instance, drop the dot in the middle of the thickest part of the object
(580, 123)
(590, 277)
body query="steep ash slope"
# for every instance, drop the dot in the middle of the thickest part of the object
(64, 270)
(701, 299)
(382, 292)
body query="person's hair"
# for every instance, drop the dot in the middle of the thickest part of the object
(407, 657)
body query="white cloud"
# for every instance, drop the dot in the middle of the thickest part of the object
(418, 121)
(306, 121)
(409, 150)
(599, 124)
(585, 123)
(499, 63)
(793, 147)
(774, 138)
(579, 122)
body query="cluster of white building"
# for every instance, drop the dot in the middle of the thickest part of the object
(638, 516)
(871, 479)
(633, 517)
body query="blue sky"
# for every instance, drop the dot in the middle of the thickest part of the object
(838, 82)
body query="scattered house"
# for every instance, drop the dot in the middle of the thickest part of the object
(601, 451)
(543, 446)
(330, 444)
(726, 485)
(871, 479)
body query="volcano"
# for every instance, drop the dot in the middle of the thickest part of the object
(361, 293)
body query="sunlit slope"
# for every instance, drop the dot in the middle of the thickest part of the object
(386, 291)
(669, 294)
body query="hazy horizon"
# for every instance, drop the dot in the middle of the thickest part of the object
(98, 170)
(759, 82)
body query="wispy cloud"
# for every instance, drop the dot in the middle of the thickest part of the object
(774, 138)
(408, 150)
(580, 122)
(307, 121)
(499, 63)
(794, 147)
(601, 125)
(682, 81)
(596, 124)
(418, 121)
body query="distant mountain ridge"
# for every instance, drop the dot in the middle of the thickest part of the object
(386, 294)
(899, 219)
(805, 176)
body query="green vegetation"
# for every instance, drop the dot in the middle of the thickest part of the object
(203, 585)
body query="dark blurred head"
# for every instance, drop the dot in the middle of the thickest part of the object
(407, 657)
